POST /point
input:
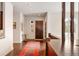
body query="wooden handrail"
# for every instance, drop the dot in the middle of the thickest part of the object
(52, 37)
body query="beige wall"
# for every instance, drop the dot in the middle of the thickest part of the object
(6, 44)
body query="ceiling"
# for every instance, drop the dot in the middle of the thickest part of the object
(37, 7)
(41, 7)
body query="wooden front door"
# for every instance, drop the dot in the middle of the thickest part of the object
(39, 30)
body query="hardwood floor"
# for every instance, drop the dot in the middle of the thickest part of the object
(18, 48)
(70, 49)
(66, 49)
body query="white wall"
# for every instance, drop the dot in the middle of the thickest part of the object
(6, 44)
(54, 20)
(54, 24)
(17, 33)
(21, 26)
